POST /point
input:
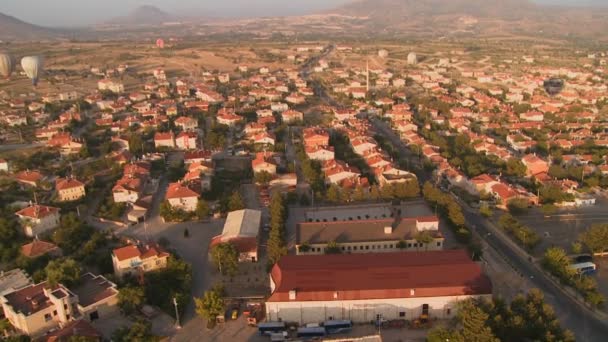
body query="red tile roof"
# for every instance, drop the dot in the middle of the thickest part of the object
(143, 252)
(37, 211)
(178, 190)
(37, 248)
(67, 183)
(79, 328)
(378, 276)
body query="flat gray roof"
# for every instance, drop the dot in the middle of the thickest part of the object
(242, 223)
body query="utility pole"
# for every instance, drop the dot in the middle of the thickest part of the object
(177, 325)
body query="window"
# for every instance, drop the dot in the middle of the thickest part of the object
(401, 313)
(439, 244)
(385, 246)
(349, 248)
(358, 217)
(391, 246)
(47, 317)
(409, 245)
(366, 247)
(65, 306)
(448, 311)
(373, 246)
(54, 312)
(342, 247)
(355, 248)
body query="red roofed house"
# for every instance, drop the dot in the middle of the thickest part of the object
(164, 140)
(69, 189)
(290, 116)
(182, 197)
(186, 141)
(241, 229)
(28, 177)
(186, 123)
(358, 287)
(134, 259)
(37, 219)
(534, 165)
(37, 248)
(39, 308)
(263, 162)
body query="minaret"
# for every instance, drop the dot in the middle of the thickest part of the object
(367, 75)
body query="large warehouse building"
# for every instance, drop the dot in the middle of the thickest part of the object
(359, 287)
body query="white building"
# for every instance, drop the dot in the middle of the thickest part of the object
(359, 287)
(37, 219)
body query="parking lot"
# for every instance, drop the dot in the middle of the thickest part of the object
(563, 227)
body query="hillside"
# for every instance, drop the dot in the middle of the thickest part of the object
(143, 15)
(477, 17)
(12, 28)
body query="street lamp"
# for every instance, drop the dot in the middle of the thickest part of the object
(177, 325)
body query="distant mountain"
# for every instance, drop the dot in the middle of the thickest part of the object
(477, 17)
(143, 15)
(12, 28)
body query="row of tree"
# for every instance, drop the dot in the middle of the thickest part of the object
(522, 234)
(277, 245)
(526, 318)
(558, 263)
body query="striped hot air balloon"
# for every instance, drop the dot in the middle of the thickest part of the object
(7, 65)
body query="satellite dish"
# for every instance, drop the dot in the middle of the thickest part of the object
(553, 86)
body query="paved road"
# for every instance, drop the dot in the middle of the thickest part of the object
(11, 147)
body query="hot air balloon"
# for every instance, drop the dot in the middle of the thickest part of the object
(160, 43)
(32, 65)
(7, 64)
(553, 86)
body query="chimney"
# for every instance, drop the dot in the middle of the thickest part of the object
(292, 294)
(388, 230)
(412, 292)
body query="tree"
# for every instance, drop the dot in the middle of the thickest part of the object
(595, 238)
(210, 305)
(455, 214)
(64, 271)
(202, 209)
(515, 168)
(485, 210)
(517, 206)
(401, 244)
(333, 194)
(236, 202)
(333, 248)
(556, 261)
(424, 237)
(225, 256)
(138, 332)
(359, 194)
(548, 209)
(262, 178)
(131, 299)
(473, 320)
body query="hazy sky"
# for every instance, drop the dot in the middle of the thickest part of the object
(85, 12)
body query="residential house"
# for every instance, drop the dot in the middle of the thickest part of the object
(37, 219)
(186, 141)
(186, 123)
(137, 259)
(182, 197)
(164, 139)
(69, 189)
